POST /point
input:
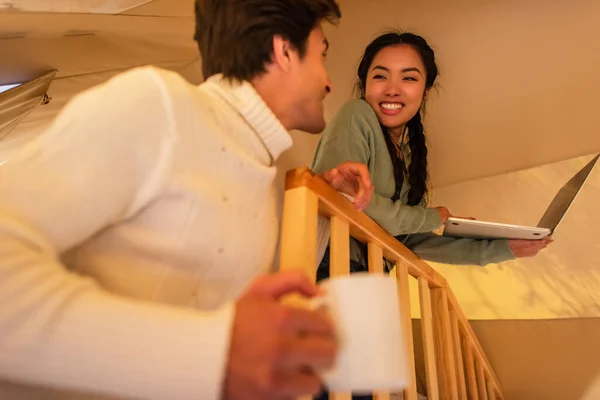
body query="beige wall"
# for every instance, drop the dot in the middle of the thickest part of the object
(537, 360)
(563, 281)
(519, 80)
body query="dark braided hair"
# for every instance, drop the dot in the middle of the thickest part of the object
(417, 170)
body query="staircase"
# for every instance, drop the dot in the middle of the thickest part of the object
(456, 368)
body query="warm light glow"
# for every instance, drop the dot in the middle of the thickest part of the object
(4, 88)
(71, 6)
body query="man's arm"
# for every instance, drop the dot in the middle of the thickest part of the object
(103, 159)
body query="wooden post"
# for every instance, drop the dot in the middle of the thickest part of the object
(299, 231)
(428, 339)
(299, 236)
(444, 345)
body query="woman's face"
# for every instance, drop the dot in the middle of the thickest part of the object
(395, 85)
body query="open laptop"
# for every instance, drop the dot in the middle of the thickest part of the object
(458, 227)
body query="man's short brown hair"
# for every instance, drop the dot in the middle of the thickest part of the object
(235, 37)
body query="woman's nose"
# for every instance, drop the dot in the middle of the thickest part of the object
(392, 90)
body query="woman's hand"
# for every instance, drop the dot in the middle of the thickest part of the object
(528, 248)
(445, 214)
(353, 179)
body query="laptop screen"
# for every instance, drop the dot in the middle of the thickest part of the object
(565, 196)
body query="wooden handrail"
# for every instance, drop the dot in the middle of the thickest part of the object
(299, 251)
(363, 228)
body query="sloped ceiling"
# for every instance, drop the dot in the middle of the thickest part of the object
(518, 85)
(88, 49)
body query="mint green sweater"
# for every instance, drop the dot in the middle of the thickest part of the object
(354, 134)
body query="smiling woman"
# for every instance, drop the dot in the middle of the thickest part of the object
(383, 129)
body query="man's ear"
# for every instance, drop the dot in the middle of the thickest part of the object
(283, 53)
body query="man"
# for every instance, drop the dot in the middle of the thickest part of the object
(131, 230)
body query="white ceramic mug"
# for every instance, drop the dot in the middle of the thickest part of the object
(371, 357)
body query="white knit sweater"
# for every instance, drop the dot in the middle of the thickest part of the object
(126, 231)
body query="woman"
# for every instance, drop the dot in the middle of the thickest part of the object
(383, 129)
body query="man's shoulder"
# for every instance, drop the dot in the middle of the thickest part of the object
(138, 98)
(151, 83)
(180, 97)
(169, 83)
(150, 75)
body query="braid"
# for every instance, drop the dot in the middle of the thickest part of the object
(397, 163)
(417, 170)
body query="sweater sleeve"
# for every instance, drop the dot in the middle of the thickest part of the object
(348, 138)
(104, 158)
(461, 251)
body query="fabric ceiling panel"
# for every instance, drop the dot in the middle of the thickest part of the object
(165, 8)
(74, 6)
(88, 54)
(17, 103)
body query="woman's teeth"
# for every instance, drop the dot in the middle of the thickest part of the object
(391, 106)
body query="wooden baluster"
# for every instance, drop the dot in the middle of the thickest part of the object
(375, 258)
(444, 346)
(410, 393)
(483, 394)
(428, 340)
(471, 373)
(339, 248)
(491, 390)
(339, 265)
(458, 358)
(376, 266)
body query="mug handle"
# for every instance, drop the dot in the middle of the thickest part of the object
(317, 303)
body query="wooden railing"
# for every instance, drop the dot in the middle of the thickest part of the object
(456, 367)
